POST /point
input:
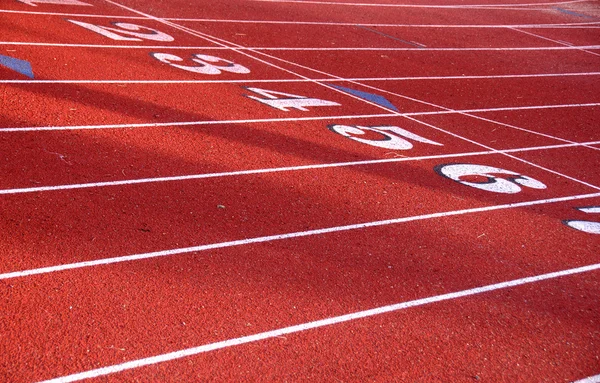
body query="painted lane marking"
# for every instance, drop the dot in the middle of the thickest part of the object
(315, 118)
(589, 379)
(590, 227)
(204, 64)
(20, 66)
(390, 36)
(190, 177)
(572, 13)
(291, 101)
(374, 98)
(488, 178)
(510, 155)
(302, 80)
(470, 6)
(563, 43)
(316, 49)
(388, 136)
(34, 3)
(278, 237)
(290, 22)
(103, 371)
(122, 30)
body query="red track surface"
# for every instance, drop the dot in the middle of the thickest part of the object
(161, 225)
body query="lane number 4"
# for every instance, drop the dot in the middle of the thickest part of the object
(286, 101)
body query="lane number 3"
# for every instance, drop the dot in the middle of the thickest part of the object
(205, 64)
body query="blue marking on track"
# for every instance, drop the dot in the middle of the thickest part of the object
(391, 37)
(375, 98)
(577, 14)
(21, 66)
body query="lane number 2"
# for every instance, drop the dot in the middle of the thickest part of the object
(126, 32)
(488, 178)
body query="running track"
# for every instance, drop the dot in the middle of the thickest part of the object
(300, 191)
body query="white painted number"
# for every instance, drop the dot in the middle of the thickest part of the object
(206, 64)
(134, 31)
(488, 178)
(291, 101)
(34, 3)
(389, 137)
(586, 226)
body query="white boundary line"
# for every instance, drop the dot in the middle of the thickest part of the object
(316, 49)
(554, 41)
(523, 6)
(301, 80)
(290, 22)
(284, 119)
(322, 323)
(278, 237)
(190, 177)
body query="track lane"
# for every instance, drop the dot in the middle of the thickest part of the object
(54, 158)
(301, 35)
(543, 339)
(63, 227)
(572, 126)
(313, 197)
(183, 301)
(439, 63)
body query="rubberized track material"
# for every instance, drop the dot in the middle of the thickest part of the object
(299, 191)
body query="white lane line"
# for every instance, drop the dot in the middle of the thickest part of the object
(65, 45)
(310, 49)
(265, 120)
(190, 177)
(70, 14)
(589, 379)
(436, 26)
(103, 371)
(278, 237)
(191, 123)
(295, 22)
(562, 43)
(302, 80)
(524, 6)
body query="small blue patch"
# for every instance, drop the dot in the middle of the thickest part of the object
(375, 98)
(577, 14)
(21, 66)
